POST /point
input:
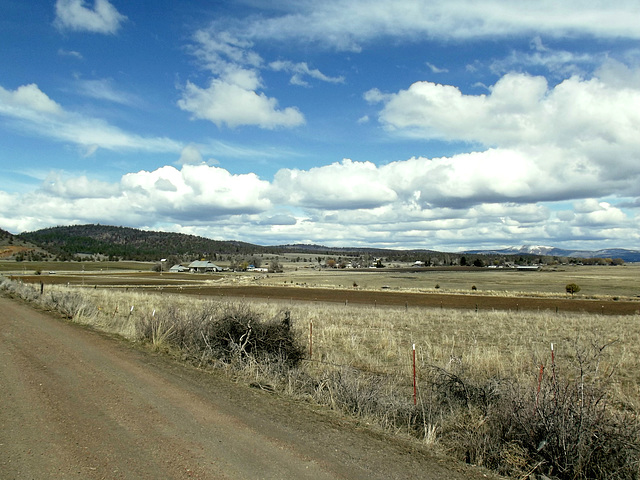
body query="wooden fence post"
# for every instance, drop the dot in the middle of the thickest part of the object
(415, 389)
(539, 384)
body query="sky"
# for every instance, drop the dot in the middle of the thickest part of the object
(441, 124)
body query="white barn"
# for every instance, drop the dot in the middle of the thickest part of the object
(202, 266)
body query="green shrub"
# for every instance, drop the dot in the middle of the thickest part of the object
(572, 288)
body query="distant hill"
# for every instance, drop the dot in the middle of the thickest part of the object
(67, 242)
(124, 243)
(15, 248)
(130, 243)
(4, 235)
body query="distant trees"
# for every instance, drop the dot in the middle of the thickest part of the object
(274, 266)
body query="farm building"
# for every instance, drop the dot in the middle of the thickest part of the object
(202, 266)
(178, 268)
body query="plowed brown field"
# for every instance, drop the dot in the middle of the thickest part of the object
(171, 284)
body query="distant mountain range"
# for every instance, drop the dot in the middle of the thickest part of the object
(69, 242)
(540, 250)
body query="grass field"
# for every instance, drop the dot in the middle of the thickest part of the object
(594, 281)
(477, 371)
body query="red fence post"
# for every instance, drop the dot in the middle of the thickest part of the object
(539, 384)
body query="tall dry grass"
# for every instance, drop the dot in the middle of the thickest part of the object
(481, 392)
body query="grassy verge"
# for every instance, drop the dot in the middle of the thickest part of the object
(488, 389)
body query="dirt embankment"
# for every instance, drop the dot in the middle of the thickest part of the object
(76, 404)
(9, 251)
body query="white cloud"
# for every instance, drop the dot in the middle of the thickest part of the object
(301, 70)
(591, 212)
(345, 24)
(559, 62)
(75, 15)
(233, 105)
(190, 155)
(32, 110)
(27, 101)
(103, 89)
(445, 204)
(580, 132)
(77, 187)
(347, 185)
(70, 53)
(435, 69)
(278, 219)
(219, 51)
(233, 97)
(195, 192)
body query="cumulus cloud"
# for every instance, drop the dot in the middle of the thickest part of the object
(233, 97)
(223, 102)
(30, 109)
(445, 203)
(77, 187)
(27, 101)
(346, 185)
(592, 212)
(190, 155)
(76, 15)
(195, 191)
(584, 131)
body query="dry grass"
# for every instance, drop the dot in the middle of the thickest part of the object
(595, 281)
(361, 364)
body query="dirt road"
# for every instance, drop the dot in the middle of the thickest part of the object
(77, 404)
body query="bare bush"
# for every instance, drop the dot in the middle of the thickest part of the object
(70, 304)
(20, 290)
(226, 333)
(564, 428)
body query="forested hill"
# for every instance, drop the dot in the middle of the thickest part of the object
(4, 235)
(131, 244)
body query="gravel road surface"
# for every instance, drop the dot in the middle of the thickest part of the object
(78, 404)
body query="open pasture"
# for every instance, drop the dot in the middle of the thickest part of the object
(359, 356)
(604, 290)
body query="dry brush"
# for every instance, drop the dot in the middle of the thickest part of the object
(488, 389)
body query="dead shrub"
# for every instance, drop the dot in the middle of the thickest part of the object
(225, 333)
(566, 430)
(72, 305)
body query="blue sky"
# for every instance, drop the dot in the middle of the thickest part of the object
(443, 124)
